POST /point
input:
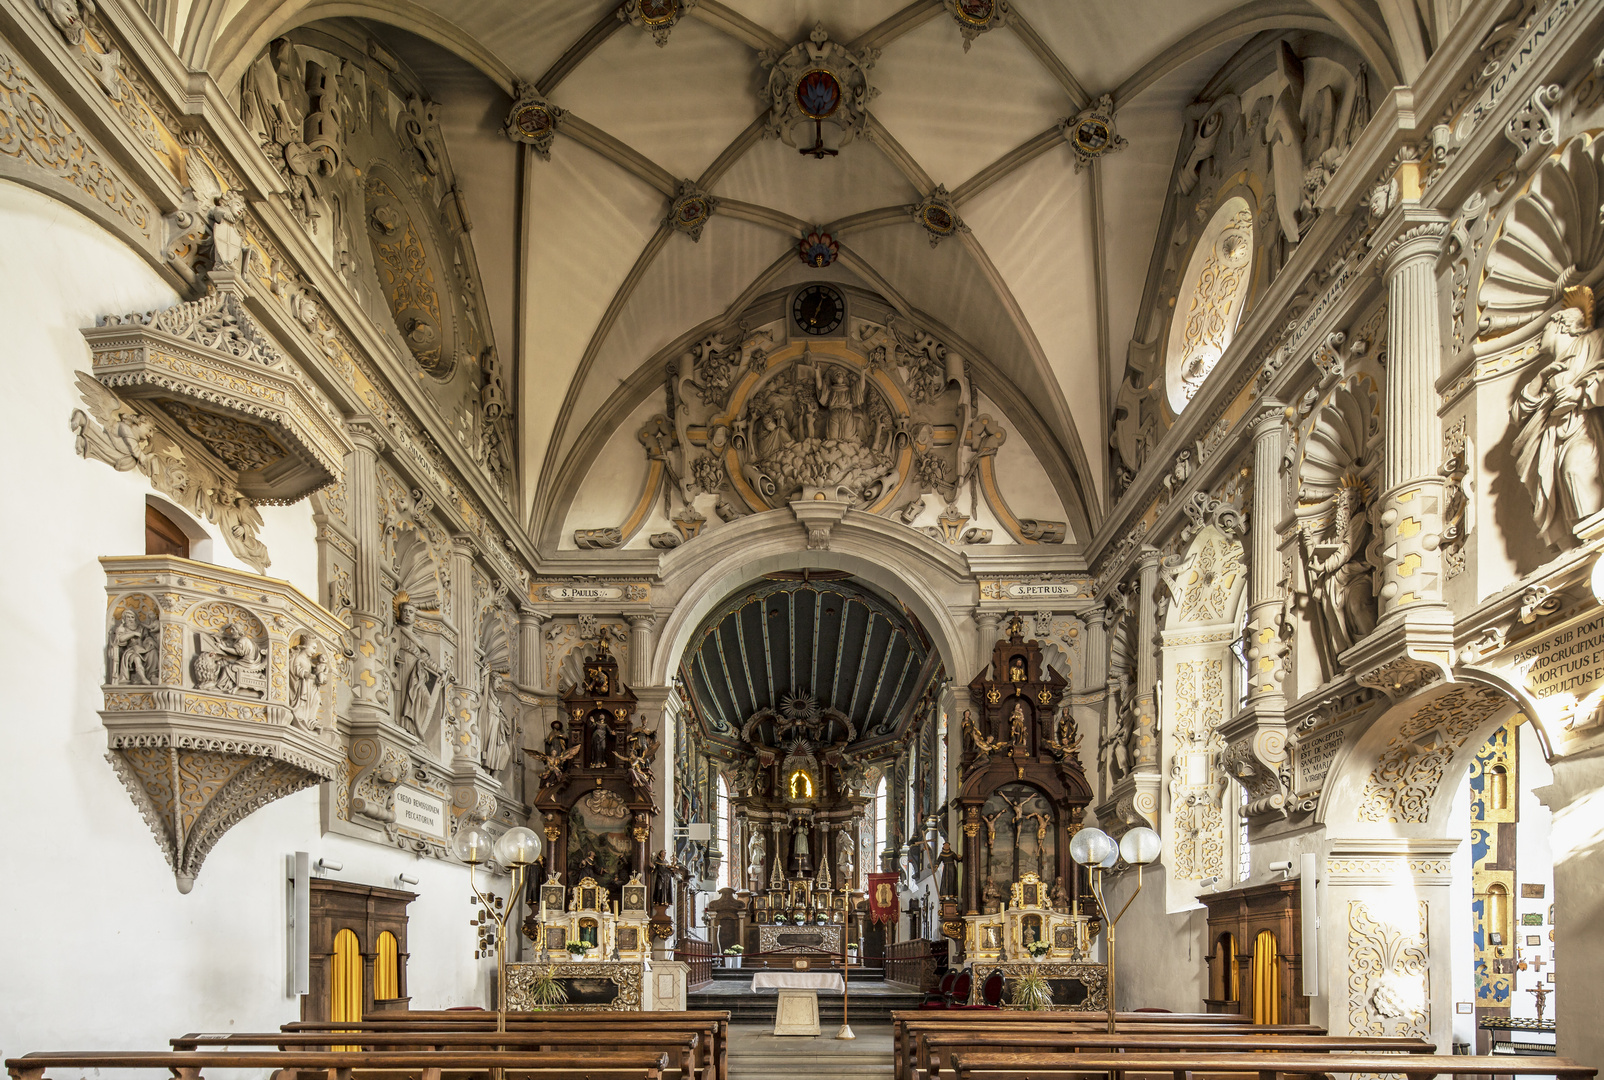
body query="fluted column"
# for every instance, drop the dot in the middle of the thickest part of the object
(1265, 650)
(370, 664)
(1411, 500)
(986, 629)
(640, 648)
(465, 695)
(531, 675)
(1144, 741)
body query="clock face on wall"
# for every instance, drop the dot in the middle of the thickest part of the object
(818, 309)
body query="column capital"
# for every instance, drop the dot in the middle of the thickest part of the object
(367, 433)
(1270, 420)
(1409, 232)
(642, 620)
(1148, 558)
(464, 544)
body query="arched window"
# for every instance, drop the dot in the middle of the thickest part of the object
(1266, 979)
(386, 969)
(722, 831)
(1209, 304)
(879, 821)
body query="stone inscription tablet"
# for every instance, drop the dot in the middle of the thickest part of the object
(420, 812)
(1564, 669)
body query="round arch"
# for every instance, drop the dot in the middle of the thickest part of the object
(923, 575)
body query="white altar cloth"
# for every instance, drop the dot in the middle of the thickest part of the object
(798, 980)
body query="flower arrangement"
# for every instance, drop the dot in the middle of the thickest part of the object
(546, 992)
(1038, 948)
(578, 948)
(734, 950)
(1031, 992)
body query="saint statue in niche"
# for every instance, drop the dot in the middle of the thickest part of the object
(423, 697)
(1559, 449)
(1016, 669)
(134, 648)
(309, 670)
(598, 740)
(801, 786)
(663, 879)
(1016, 726)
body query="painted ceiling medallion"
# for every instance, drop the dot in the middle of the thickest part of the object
(690, 210)
(533, 120)
(818, 249)
(819, 94)
(938, 216)
(1090, 133)
(655, 16)
(975, 17)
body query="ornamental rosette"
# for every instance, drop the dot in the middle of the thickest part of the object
(819, 94)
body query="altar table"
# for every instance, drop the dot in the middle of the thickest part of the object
(797, 1012)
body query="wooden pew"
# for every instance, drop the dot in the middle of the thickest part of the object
(908, 1024)
(349, 1065)
(681, 1046)
(1192, 1065)
(935, 1048)
(712, 1024)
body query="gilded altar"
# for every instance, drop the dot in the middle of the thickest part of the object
(808, 940)
(591, 985)
(1028, 918)
(1076, 987)
(609, 928)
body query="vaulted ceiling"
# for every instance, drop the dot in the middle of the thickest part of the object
(808, 649)
(592, 291)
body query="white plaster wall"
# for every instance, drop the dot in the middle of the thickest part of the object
(94, 923)
(1158, 957)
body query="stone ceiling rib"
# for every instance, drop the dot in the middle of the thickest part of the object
(1100, 279)
(1253, 18)
(869, 219)
(736, 25)
(1050, 60)
(911, 169)
(1371, 36)
(1056, 407)
(604, 28)
(560, 427)
(764, 215)
(625, 157)
(890, 29)
(1018, 157)
(743, 142)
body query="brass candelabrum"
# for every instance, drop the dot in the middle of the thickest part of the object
(517, 849)
(1096, 850)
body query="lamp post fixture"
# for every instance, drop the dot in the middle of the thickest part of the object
(1095, 849)
(517, 849)
(846, 962)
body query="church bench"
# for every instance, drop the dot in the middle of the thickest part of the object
(907, 1029)
(1193, 1065)
(681, 1046)
(356, 1065)
(935, 1048)
(712, 1024)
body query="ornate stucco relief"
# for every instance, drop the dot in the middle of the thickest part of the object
(1389, 982)
(1410, 767)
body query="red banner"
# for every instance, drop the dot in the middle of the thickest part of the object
(883, 897)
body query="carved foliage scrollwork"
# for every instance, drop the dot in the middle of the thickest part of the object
(1410, 768)
(1197, 788)
(1389, 987)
